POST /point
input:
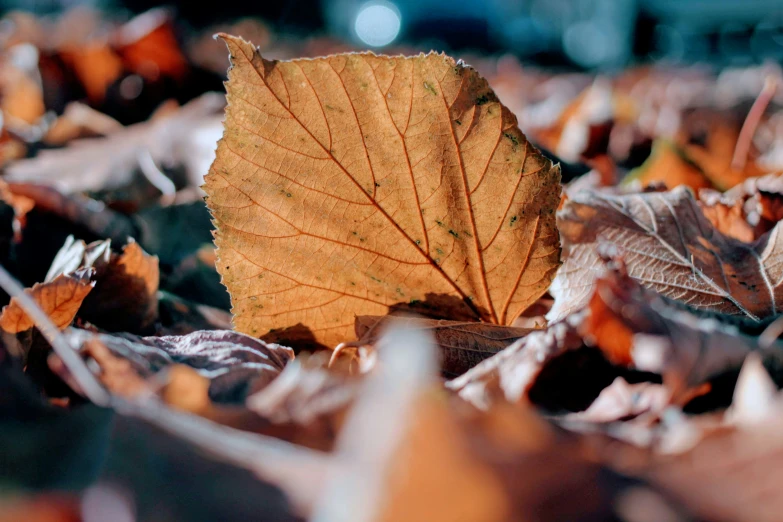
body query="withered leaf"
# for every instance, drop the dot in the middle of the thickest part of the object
(634, 329)
(108, 163)
(60, 298)
(462, 345)
(236, 364)
(747, 211)
(356, 182)
(125, 295)
(670, 247)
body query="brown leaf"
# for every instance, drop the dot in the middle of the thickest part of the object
(747, 211)
(670, 247)
(668, 164)
(511, 373)
(148, 46)
(462, 345)
(235, 364)
(356, 182)
(634, 327)
(60, 298)
(125, 296)
(108, 163)
(634, 330)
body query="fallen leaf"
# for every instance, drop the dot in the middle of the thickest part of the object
(148, 46)
(60, 298)
(511, 373)
(20, 85)
(462, 345)
(668, 164)
(236, 365)
(95, 64)
(670, 247)
(621, 400)
(80, 121)
(108, 163)
(749, 210)
(125, 295)
(357, 182)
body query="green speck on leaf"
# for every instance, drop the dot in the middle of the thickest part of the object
(455, 234)
(430, 88)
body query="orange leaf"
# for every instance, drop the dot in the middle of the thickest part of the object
(59, 298)
(356, 182)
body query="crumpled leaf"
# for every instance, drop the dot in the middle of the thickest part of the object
(670, 247)
(510, 373)
(125, 296)
(311, 398)
(635, 331)
(623, 400)
(749, 210)
(60, 298)
(462, 345)
(235, 364)
(358, 182)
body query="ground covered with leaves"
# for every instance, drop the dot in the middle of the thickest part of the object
(381, 287)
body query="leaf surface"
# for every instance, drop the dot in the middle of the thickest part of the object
(60, 298)
(356, 182)
(670, 247)
(462, 345)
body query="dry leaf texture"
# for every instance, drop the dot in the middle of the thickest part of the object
(236, 364)
(462, 345)
(59, 298)
(670, 247)
(356, 182)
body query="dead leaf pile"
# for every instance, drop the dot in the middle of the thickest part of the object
(372, 299)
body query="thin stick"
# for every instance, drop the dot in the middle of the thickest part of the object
(60, 343)
(740, 158)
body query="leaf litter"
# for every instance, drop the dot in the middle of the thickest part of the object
(390, 242)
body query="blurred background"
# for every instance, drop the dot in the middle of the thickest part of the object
(586, 34)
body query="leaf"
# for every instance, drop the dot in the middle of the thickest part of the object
(235, 364)
(125, 296)
(669, 247)
(747, 211)
(60, 298)
(356, 182)
(635, 331)
(462, 345)
(109, 163)
(668, 164)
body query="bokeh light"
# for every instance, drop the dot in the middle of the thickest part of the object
(378, 23)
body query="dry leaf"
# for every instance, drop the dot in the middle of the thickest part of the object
(235, 364)
(668, 164)
(356, 182)
(125, 296)
(747, 211)
(148, 46)
(670, 247)
(109, 163)
(60, 298)
(462, 345)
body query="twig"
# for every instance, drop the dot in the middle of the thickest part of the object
(740, 158)
(60, 343)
